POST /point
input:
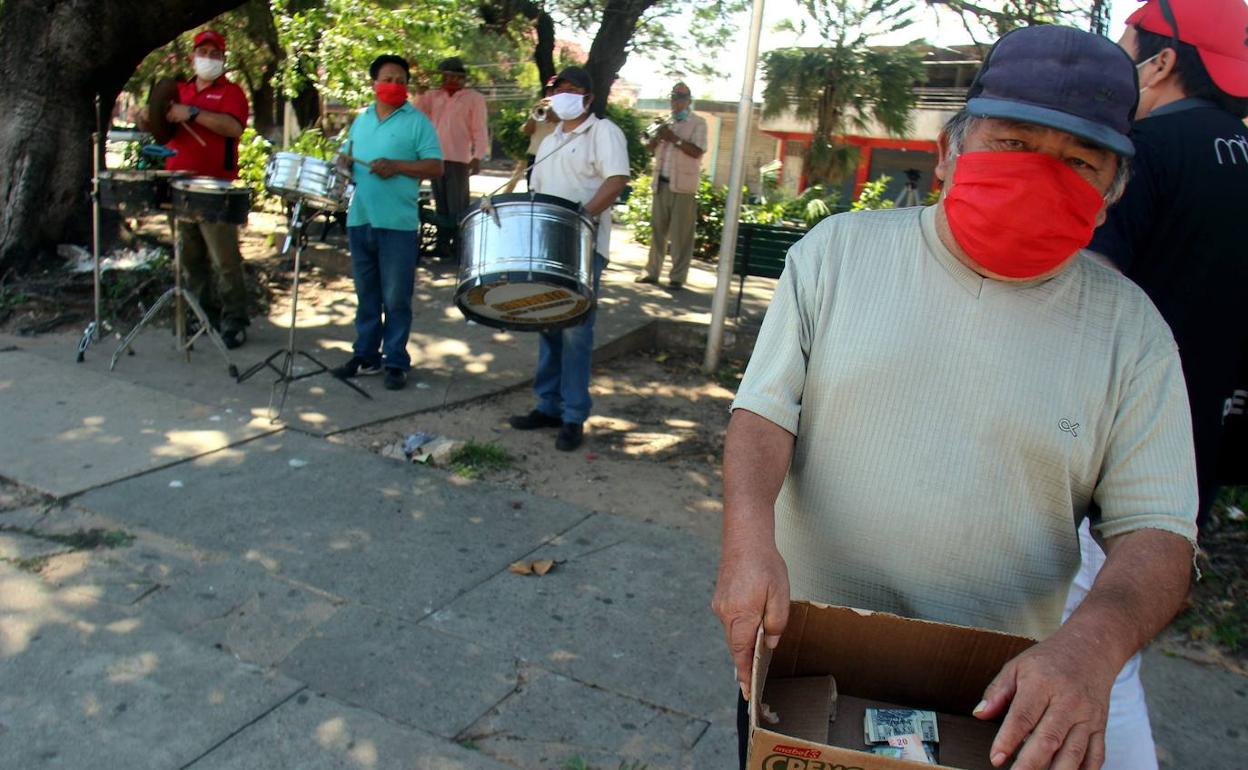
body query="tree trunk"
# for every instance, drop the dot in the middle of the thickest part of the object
(56, 56)
(610, 47)
(544, 53)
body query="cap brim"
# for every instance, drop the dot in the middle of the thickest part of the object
(1229, 73)
(1063, 121)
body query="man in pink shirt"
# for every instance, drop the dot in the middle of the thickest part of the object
(459, 116)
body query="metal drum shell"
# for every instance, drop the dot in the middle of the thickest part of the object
(318, 183)
(211, 200)
(538, 239)
(136, 191)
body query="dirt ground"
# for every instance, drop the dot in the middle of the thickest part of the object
(652, 448)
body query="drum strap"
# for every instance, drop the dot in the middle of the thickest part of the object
(231, 156)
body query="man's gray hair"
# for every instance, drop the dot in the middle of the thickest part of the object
(960, 125)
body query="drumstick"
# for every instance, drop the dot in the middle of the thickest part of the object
(196, 136)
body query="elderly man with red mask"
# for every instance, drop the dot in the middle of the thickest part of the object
(939, 396)
(459, 116)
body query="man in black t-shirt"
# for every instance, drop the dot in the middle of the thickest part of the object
(1181, 229)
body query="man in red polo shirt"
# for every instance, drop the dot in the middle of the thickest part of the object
(210, 117)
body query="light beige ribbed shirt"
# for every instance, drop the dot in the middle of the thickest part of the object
(953, 430)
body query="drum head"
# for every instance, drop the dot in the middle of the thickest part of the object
(525, 302)
(164, 93)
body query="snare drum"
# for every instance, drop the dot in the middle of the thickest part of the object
(210, 200)
(135, 191)
(318, 183)
(528, 265)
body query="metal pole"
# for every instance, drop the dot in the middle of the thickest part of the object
(96, 150)
(732, 208)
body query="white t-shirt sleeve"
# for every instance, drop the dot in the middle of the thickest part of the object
(776, 375)
(610, 150)
(1148, 475)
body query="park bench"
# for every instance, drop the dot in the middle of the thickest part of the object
(761, 250)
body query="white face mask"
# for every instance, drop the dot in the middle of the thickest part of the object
(568, 106)
(208, 69)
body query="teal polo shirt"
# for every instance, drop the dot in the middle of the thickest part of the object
(405, 134)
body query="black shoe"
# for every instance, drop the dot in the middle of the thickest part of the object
(234, 338)
(570, 436)
(675, 286)
(395, 378)
(643, 278)
(355, 367)
(534, 420)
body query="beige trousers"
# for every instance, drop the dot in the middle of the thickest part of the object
(673, 216)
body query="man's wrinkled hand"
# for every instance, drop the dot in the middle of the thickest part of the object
(752, 590)
(1057, 696)
(384, 167)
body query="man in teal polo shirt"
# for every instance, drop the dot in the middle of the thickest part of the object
(391, 147)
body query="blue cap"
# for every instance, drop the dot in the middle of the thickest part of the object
(1063, 78)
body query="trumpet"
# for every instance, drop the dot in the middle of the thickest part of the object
(540, 111)
(652, 131)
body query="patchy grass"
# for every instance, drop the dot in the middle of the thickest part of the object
(579, 763)
(1215, 619)
(79, 539)
(469, 744)
(474, 459)
(33, 564)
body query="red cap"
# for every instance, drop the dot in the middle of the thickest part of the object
(210, 36)
(1217, 29)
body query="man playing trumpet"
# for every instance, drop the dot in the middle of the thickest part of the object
(677, 145)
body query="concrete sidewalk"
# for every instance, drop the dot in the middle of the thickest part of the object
(289, 602)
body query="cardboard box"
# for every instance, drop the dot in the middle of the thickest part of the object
(832, 663)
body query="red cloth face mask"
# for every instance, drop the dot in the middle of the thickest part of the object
(392, 94)
(1020, 214)
(451, 86)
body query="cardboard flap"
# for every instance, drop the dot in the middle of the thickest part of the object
(888, 657)
(758, 675)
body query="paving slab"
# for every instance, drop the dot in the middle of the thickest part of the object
(90, 685)
(345, 521)
(1199, 713)
(238, 607)
(551, 719)
(626, 609)
(409, 673)
(316, 732)
(68, 429)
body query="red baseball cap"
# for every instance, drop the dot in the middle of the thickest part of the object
(210, 36)
(1217, 29)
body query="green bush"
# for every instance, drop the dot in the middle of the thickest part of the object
(507, 126)
(872, 196)
(253, 156)
(316, 145)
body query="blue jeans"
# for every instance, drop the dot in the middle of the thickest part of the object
(563, 363)
(383, 263)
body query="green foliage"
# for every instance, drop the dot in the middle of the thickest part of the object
(507, 127)
(315, 144)
(253, 156)
(816, 203)
(845, 85)
(330, 43)
(473, 459)
(872, 196)
(632, 124)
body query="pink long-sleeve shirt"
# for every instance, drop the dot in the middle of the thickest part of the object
(460, 120)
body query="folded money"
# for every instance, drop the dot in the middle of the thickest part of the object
(911, 748)
(880, 724)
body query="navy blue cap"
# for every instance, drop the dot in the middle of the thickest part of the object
(577, 76)
(1063, 78)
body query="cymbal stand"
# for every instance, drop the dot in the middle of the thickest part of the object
(92, 333)
(286, 368)
(182, 299)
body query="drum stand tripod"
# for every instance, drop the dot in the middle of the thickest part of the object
(286, 369)
(92, 333)
(182, 300)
